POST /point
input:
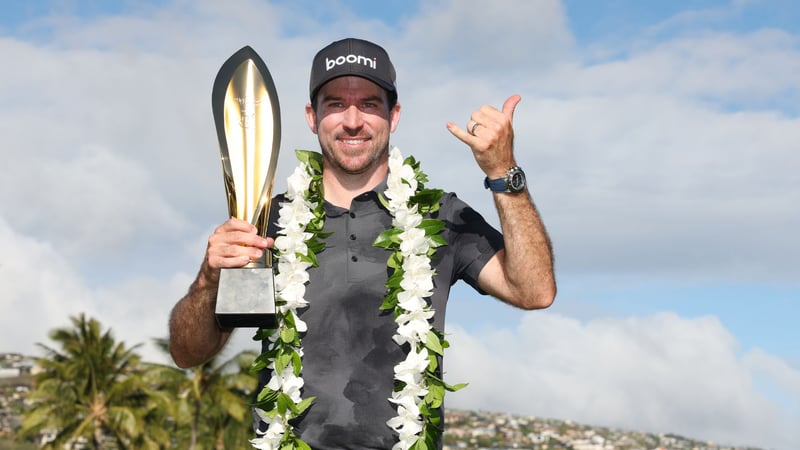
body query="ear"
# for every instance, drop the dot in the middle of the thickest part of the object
(394, 117)
(311, 118)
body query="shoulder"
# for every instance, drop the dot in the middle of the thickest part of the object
(454, 209)
(451, 202)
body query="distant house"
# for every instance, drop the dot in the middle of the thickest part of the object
(10, 372)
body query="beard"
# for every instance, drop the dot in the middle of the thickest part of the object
(354, 163)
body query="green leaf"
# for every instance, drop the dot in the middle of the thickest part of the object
(432, 226)
(281, 361)
(382, 199)
(395, 261)
(263, 333)
(420, 445)
(288, 335)
(389, 302)
(267, 395)
(313, 159)
(428, 198)
(455, 387)
(393, 282)
(437, 241)
(302, 445)
(284, 404)
(288, 320)
(433, 343)
(301, 407)
(388, 238)
(263, 360)
(297, 363)
(315, 246)
(435, 395)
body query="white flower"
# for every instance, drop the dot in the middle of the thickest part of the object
(400, 170)
(413, 366)
(410, 301)
(414, 242)
(294, 215)
(401, 183)
(418, 273)
(286, 382)
(297, 183)
(271, 438)
(301, 327)
(407, 218)
(414, 326)
(407, 423)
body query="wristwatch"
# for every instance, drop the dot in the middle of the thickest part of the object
(514, 181)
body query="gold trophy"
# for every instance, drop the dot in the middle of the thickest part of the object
(247, 117)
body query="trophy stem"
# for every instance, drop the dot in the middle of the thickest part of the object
(261, 263)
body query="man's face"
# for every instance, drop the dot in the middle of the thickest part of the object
(352, 121)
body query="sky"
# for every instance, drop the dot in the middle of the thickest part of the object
(659, 140)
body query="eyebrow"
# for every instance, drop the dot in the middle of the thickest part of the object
(371, 98)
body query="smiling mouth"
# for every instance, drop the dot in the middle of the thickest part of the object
(354, 141)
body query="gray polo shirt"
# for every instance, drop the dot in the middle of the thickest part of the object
(349, 354)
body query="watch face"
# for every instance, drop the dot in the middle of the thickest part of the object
(517, 181)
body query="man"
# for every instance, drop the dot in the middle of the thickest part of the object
(349, 354)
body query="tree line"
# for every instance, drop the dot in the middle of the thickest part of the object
(93, 392)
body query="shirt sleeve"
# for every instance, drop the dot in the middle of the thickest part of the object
(472, 239)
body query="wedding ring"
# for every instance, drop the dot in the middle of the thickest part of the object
(472, 129)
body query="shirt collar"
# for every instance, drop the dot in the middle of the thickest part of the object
(332, 210)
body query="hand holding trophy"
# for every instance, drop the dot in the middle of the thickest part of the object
(247, 117)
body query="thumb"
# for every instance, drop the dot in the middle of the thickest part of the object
(510, 105)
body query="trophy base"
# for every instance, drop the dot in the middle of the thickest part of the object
(246, 298)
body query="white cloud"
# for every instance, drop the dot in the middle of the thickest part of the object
(138, 310)
(466, 36)
(661, 373)
(754, 69)
(96, 201)
(641, 147)
(41, 288)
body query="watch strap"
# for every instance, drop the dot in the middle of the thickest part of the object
(514, 181)
(496, 184)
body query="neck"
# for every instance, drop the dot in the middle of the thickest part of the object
(341, 188)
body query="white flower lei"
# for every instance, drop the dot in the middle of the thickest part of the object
(419, 390)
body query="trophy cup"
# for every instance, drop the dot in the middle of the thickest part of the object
(248, 122)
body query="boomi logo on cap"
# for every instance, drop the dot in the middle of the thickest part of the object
(351, 59)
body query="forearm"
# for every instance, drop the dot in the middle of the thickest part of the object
(528, 256)
(522, 273)
(194, 336)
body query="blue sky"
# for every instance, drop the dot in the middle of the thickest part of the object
(659, 139)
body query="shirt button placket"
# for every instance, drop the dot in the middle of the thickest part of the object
(353, 256)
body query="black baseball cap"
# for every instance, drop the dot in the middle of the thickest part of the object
(355, 57)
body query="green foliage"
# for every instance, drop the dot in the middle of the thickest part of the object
(7, 444)
(92, 388)
(95, 391)
(312, 158)
(208, 405)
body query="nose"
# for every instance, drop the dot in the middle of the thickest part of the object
(351, 118)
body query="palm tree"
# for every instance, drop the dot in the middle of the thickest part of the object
(91, 392)
(212, 400)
